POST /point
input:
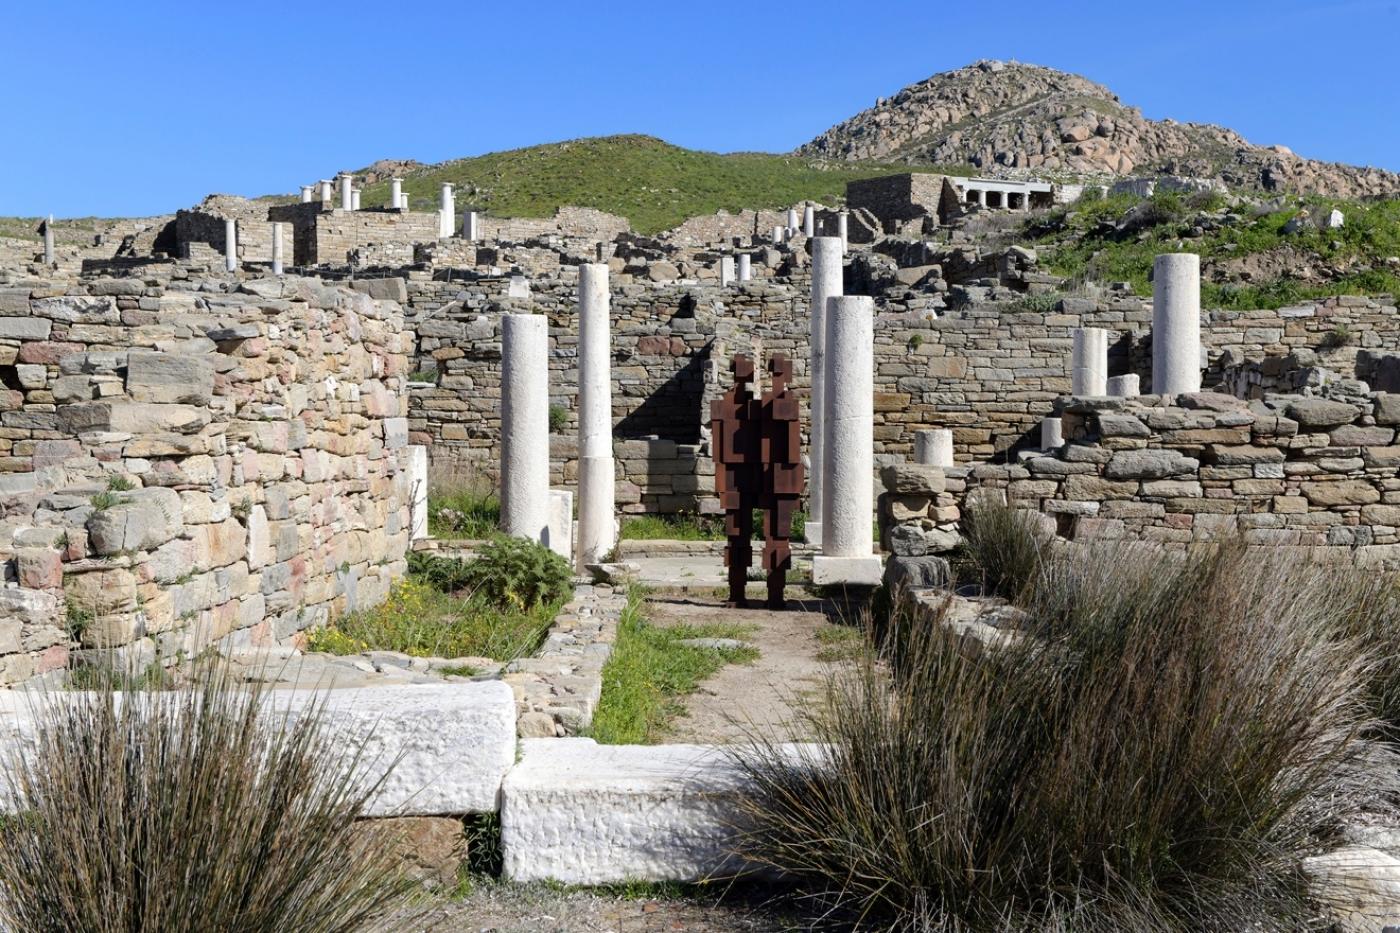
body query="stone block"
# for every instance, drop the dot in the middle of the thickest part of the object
(1148, 464)
(913, 479)
(429, 850)
(152, 376)
(577, 812)
(1341, 492)
(848, 571)
(140, 520)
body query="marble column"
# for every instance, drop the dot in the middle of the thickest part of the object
(726, 271)
(934, 447)
(48, 242)
(447, 212)
(745, 267)
(792, 220)
(231, 245)
(1176, 324)
(525, 426)
(809, 221)
(841, 225)
(276, 249)
(1089, 362)
(779, 234)
(306, 193)
(325, 191)
(848, 473)
(471, 226)
(1124, 386)
(597, 518)
(827, 271)
(354, 199)
(1051, 434)
(347, 193)
(395, 194)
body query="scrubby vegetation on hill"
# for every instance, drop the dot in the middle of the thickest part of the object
(652, 183)
(1252, 256)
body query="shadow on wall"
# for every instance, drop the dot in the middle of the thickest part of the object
(670, 411)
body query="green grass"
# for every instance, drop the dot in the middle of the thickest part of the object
(840, 643)
(686, 526)
(420, 620)
(652, 183)
(463, 511)
(1081, 249)
(680, 527)
(650, 671)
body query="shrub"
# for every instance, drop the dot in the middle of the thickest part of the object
(519, 574)
(188, 810)
(558, 418)
(1158, 749)
(1038, 302)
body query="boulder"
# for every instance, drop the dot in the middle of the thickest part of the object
(1359, 884)
(916, 571)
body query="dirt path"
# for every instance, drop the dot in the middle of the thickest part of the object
(764, 695)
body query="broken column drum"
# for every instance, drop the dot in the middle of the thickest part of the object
(745, 267)
(848, 458)
(395, 193)
(1089, 362)
(354, 199)
(1123, 386)
(1052, 434)
(826, 284)
(1176, 324)
(306, 193)
(597, 478)
(934, 447)
(792, 220)
(525, 426)
(325, 191)
(231, 245)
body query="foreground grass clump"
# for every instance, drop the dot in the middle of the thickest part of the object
(188, 810)
(1158, 751)
(498, 605)
(650, 670)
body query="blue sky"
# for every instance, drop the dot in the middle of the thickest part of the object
(144, 107)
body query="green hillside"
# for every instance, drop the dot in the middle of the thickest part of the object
(652, 183)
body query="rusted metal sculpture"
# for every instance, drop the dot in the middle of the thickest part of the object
(758, 466)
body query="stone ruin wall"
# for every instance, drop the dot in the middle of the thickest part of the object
(262, 429)
(990, 372)
(1296, 471)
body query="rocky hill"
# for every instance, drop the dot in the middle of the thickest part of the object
(1000, 117)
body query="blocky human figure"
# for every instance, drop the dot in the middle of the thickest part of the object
(758, 465)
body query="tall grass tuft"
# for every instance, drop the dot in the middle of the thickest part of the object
(1166, 740)
(1003, 545)
(187, 810)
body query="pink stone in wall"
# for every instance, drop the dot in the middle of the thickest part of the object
(40, 568)
(52, 658)
(47, 351)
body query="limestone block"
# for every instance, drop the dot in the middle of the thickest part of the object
(1360, 884)
(1341, 492)
(131, 417)
(1312, 413)
(169, 377)
(1148, 464)
(913, 479)
(140, 520)
(581, 813)
(449, 745)
(25, 328)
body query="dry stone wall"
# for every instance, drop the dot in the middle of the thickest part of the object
(184, 460)
(1289, 470)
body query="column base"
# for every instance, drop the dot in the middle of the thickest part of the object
(812, 533)
(854, 571)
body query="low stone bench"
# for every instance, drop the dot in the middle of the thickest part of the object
(578, 812)
(450, 745)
